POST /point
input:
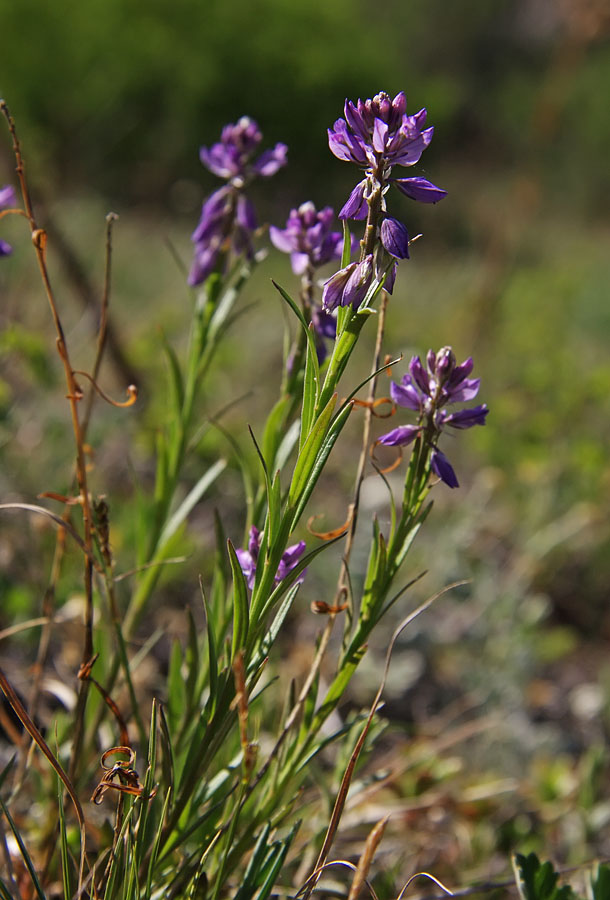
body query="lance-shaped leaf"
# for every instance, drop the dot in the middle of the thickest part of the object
(309, 453)
(240, 603)
(319, 462)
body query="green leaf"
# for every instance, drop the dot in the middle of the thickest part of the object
(337, 688)
(5, 894)
(274, 502)
(146, 820)
(176, 382)
(190, 501)
(176, 691)
(286, 447)
(259, 855)
(312, 352)
(274, 430)
(240, 603)
(275, 864)
(311, 387)
(212, 655)
(319, 462)
(24, 853)
(156, 845)
(193, 663)
(168, 767)
(272, 631)
(600, 883)
(309, 453)
(344, 344)
(346, 252)
(538, 881)
(63, 844)
(288, 581)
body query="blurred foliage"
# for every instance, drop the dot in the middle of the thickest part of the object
(113, 99)
(116, 96)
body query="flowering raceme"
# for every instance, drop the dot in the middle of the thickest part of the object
(7, 199)
(426, 391)
(308, 238)
(311, 243)
(249, 558)
(376, 135)
(228, 218)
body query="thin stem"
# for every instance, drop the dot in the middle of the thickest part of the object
(39, 240)
(343, 581)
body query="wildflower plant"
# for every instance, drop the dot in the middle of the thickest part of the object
(202, 806)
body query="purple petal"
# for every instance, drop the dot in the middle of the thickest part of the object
(441, 466)
(289, 561)
(254, 541)
(427, 133)
(213, 213)
(270, 161)
(324, 323)
(358, 283)
(332, 292)
(354, 119)
(346, 146)
(419, 375)
(8, 197)
(400, 437)
(299, 262)
(337, 146)
(388, 284)
(420, 189)
(282, 239)
(220, 160)
(247, 565)
(399, 108)
(203, 264)
(380, 133)
(5, 249)
(460, 372)
(246, 214)
(406, 395)
(420, 118)
(466, 391)
(395, 238)
(356, 206)
(466, 418)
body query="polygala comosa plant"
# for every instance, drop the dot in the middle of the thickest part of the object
(228, 781)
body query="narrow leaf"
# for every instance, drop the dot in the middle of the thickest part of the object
(308, 455)
(240, 603)
(190, 501)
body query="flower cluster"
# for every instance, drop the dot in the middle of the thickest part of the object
(308, 238)
(228, 218)
(7, 199)
(426, 391)
(249, 558)
(378, 134)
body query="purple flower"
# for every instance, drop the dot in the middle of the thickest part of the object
(379, 131)
(395, 238)
(348, 286)
(7, 199)
(426, 390)
(228, 218)
(376, 135)
(308, 238)
(249, 558)
(231, 157)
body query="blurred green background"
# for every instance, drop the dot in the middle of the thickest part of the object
(113, 99)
